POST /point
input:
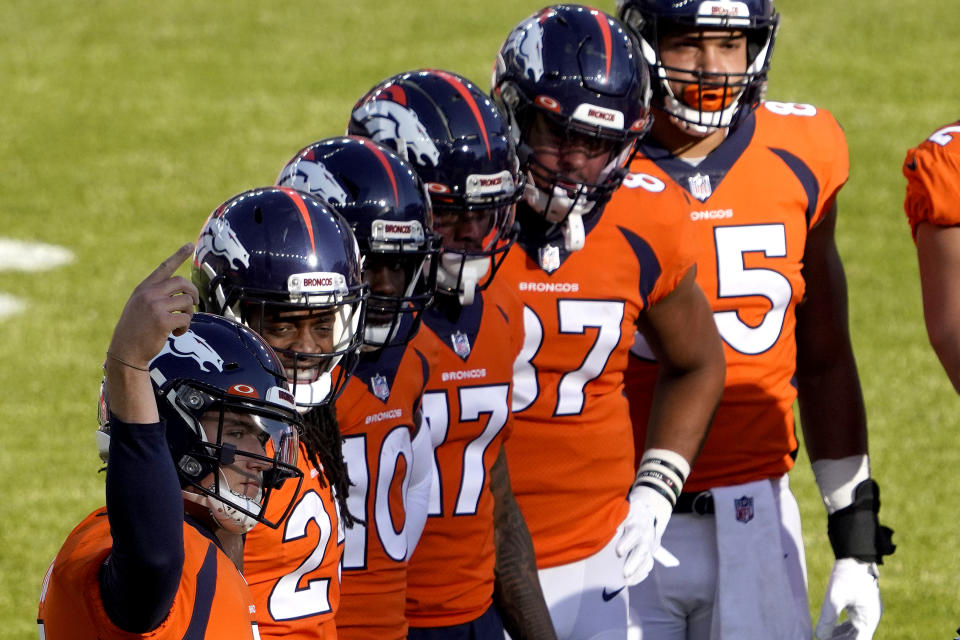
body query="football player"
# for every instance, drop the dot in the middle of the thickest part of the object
(199, 431)
(287, 265)
(932, 170)
(388, 453)
(762, 180)
(593, 262)
(475, 548)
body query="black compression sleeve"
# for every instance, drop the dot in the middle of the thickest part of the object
(139, 578)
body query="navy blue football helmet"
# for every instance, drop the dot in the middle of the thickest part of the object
(460, 144)
(386, 205)
(714, 100)
(578, 70)
(273, 251)
(223, 395)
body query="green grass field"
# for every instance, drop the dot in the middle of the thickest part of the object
(124, 123)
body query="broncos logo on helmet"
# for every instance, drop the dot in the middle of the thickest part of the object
(389, 122)
(526, 45)
(219, 239)
(190, 345)
(314, 178)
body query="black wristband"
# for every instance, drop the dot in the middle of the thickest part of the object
(855, 531)
(658, 487)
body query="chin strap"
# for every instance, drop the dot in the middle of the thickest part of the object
(313, 393)
(573, 233)
(558, 207)
(223, 509)
(462, 274)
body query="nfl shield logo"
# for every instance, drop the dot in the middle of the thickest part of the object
(550, 258)
(700, 186)
(380, 387)
(744, 507)
(461, 344)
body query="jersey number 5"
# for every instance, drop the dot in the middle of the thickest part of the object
(734, 280)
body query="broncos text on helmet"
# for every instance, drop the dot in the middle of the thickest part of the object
(272, 252)
(385, 202)
(460, 144)
(576, 71)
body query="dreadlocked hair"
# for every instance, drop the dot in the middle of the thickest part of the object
(321, 436)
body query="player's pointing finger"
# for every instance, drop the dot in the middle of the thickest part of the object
(169, 266)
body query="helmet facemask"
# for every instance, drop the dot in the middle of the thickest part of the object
(234, 453)
(469, 261)
(337, 313)
(394, 318)
(709, 101)
(560, 198)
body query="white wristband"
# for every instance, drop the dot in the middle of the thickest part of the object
(837, 478)
(664, 471)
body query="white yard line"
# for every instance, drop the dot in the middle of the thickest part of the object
(19, 255)
(10, 305)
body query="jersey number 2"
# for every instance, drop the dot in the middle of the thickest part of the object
(287, 602)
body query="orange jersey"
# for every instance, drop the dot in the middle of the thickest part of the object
(571, 455)
(467, 406)
(378, 417)
(757, 195)
(293, 570)
(212, 600)
(932, 170)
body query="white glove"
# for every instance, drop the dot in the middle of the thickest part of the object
(641, 531)
(853, 587)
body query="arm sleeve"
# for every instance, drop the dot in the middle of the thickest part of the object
(140, 577)
(418, 493)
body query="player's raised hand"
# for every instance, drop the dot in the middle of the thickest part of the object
(161, 304)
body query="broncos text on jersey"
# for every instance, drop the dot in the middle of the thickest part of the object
(749, 236)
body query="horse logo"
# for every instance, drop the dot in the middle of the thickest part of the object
(526, 44)
(398, 126)
(314, 178)
(219, 239)
(190, 345)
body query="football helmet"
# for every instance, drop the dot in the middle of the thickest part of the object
(275, 250)
(386, 205)
(577, 71)
(222, 393)
(712, 100)
(460, 144)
